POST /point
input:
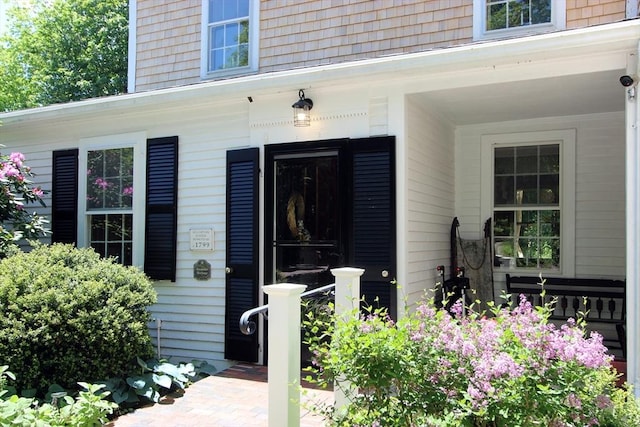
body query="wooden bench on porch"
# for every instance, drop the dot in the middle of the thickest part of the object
(603, 300)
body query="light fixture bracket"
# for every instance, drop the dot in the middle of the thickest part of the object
(303, 102)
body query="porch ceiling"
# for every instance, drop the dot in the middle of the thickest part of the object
(558, 96)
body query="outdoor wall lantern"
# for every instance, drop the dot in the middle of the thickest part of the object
(301, 108)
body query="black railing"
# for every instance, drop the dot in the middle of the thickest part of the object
(248, 327)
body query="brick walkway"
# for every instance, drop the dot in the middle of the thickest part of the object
(236, 397)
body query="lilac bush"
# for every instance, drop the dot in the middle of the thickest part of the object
(510, 367)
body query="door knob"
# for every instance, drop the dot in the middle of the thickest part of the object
(228, 270)
(385, 273)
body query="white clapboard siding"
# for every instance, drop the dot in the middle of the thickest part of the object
(430, 197)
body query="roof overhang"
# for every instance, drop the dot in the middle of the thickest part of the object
(562, 63)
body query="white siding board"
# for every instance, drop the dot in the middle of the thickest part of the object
(168, 334)
(171, 347)
(211, 328)
(430, 159)
(188, 300)
(191, 318)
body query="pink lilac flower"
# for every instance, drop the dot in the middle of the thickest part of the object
(425, 312)
(416, 336)
(456, 308)
(504, 365)
(127, 191)
(366, 328)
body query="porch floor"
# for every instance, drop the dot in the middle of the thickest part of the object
(235, 397)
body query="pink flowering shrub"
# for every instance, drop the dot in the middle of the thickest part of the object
(437, 368)
(16, 192)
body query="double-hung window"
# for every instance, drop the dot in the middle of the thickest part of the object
(109, 202)
(503, 18)
(526, 212)
(229, 36)
(532, 198)
(111, 188)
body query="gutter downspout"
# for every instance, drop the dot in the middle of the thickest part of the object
(632, 173)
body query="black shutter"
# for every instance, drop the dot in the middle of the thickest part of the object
(373, 219)
(242, 251)
(64, 197)
(161, 217)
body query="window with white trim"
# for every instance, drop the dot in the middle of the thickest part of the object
(532, 202)
(504, 18)
(110, 192)
(526, 207)
(229, 36)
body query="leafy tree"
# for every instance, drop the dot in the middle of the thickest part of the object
(63, 50)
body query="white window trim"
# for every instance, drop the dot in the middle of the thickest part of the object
(558, 22)
(136, 140)
(567, 140)
(254, 36)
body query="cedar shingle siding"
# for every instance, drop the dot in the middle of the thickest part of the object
(305, 33)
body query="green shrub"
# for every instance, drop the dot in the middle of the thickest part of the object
(71, 316)
(439, 368)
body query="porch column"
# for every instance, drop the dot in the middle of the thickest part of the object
(284, 354)
(633, 226)
(347, 299)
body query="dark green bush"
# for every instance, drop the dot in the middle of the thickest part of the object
(69, 316)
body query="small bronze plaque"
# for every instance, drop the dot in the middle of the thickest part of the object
(202, 270)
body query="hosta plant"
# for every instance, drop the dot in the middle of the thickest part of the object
(509, 367)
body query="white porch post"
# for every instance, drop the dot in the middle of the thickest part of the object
(633, 227)
(284, 354)
(347, 298)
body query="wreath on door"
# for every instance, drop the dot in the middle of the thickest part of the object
(295, 217)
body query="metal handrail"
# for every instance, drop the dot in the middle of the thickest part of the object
(248, 327)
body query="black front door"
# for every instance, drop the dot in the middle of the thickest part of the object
(332, 204)
(306, 224)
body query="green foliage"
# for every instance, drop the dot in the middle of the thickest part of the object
(71, 316)
(63, 51)
(89, 408)
(16, 192)
(154, 379)
(439, 368)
